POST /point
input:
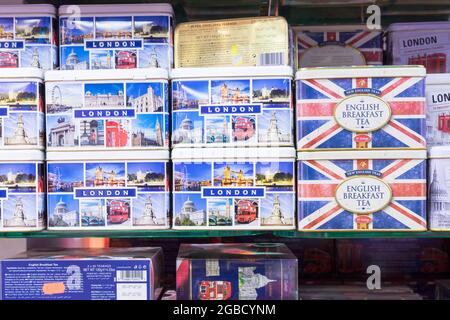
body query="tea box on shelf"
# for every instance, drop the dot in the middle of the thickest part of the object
(22, 109)
(217, 107)
(234, 271)
(244, 42)
(22, 191)
(338, 45)
(424, 43)
(108, 190)
(362, 191)
(116, 36)
(96, 110)
(437, 89)
(83, 274)
(240, 188)
(372, 107)
(28, 36)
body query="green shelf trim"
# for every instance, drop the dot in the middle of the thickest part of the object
(360, 235)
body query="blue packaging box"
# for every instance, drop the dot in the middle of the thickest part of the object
(82, 274)
(249, 271)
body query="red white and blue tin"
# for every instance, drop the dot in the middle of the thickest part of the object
(424, 43)
(338, 45)
(362, 191)
(360, 108)
(28, 36)
(438, 109)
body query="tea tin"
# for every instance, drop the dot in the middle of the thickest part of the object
(116, 36)
(438, 109)
(228, 107)
(371, 190)
(438, 188)
(22, 109)
(424, 43)
(118, 109)
(28, 36)
(240, 188)
(347, 108)
(108, 190)
(22, 191)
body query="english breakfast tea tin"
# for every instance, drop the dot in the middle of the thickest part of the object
(22, 191)
(361, 108)
(116, 36)
(217, 107)
(239, 188)
(362, 191)
(257, 41)
(338, 45)
(22, 109)
(118, 109)
(438, 109)
(108, 190)
(425, 43)
(28, 36)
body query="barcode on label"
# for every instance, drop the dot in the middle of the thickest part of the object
(131, 275)
(271, 59)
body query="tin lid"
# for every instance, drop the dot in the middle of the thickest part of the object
(233, 153)
(27, 9)
(360, 72)
(118, 9)
(362, 154)
(332, 28)
(219, 72)
(439, 152)
(16, 73)
(438, 78)
(22, 155)
(419, 26)
(116, 74)
(108, 155)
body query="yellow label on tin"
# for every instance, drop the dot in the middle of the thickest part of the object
(221, 43)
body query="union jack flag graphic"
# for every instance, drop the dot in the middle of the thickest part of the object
(318, 129)
(368, 43)
(319, 209)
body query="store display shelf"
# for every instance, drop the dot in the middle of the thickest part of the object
(360, 235)
(132, 234)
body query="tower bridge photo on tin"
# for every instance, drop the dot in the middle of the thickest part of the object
(107, 174)
(233, 174)
(230, 91)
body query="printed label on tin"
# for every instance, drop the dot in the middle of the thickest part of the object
(28, 42)
(363, 194)
(22, 198)
(236, 195)
(232, 111)
(362, 113)
(438, 115)
(331, 55)
(241, 42)
(116, 42)
(122, 195)
(95, 279)
(109, 115)
(438, 194)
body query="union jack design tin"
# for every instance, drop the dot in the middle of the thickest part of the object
(360, 108)
(348, 45)
(370, 190)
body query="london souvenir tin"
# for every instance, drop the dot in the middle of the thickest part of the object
(22, 191)
(108, 190)
(240, 188)
(235, 271)
(425, 43)
(257, 41)
(338, 45)
(362, 191)
(83, 274)
(116, 36)
(118, 109)
(28, 36)
(217, 107)
(22, 109)
(361, 108)
(438, 188)
(438, 109)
